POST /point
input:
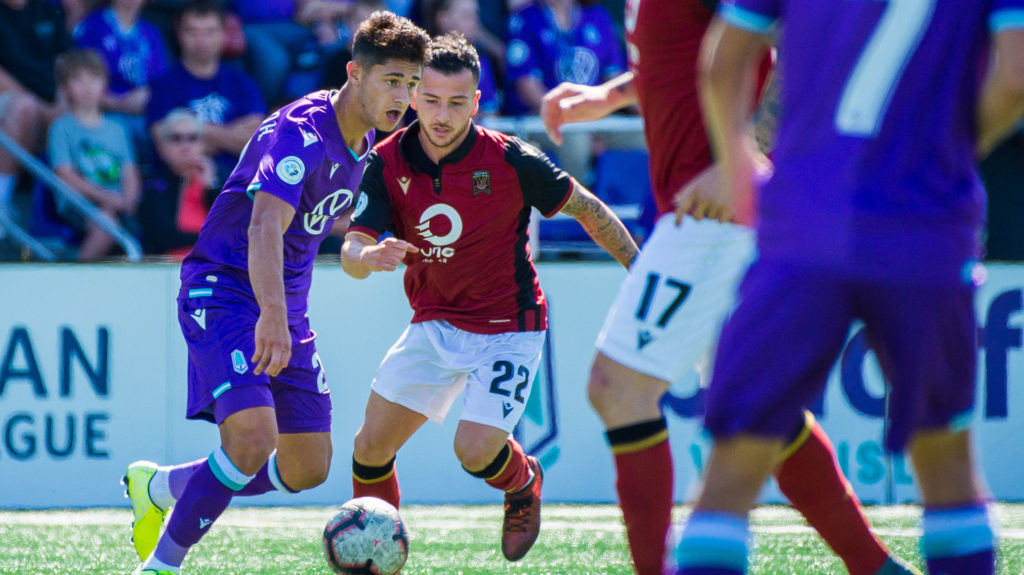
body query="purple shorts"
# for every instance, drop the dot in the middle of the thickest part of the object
(777, 348)
(219, 326)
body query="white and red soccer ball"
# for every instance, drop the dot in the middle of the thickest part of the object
(366, 537)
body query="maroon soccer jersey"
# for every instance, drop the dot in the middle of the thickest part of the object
(663, 41)
(469, 217)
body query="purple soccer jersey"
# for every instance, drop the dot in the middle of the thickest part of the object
(588, 53)
(882, 135)
(134, 56)
(297, 154)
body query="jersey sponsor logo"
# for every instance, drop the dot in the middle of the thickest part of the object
(580, 65)
(291, 170)
(328, 209)
(361, 204)
(403, 183)
(441, 252)
(481, 183)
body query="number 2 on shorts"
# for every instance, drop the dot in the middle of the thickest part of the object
(508, 372)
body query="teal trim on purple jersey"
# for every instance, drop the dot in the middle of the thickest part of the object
(746, 19)
(1002, 20)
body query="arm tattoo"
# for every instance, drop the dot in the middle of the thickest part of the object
(602, 225)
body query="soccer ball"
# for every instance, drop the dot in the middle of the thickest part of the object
(366, 537)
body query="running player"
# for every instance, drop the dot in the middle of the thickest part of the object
(873, 212)
(670, 308)
(253, 365)
(458, 198)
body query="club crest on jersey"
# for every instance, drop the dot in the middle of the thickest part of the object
(440, 251)
(481, 183)
(290, 170)
(328, 209)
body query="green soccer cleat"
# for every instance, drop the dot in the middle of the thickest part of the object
(148, 517)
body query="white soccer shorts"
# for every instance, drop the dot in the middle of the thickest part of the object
(432, 362)
(670, 308)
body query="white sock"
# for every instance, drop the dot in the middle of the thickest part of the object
(158, 565)
(160, 488)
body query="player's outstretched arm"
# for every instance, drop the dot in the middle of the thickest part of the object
(362, 255)
(602, 225)
(270, 218)
(568, 103)
(1002, 99)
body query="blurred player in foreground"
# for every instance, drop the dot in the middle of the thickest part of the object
(458, 199)
(253, 365)
(671, 306)
(873, 213)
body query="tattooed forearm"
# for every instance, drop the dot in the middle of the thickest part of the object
(602, 225)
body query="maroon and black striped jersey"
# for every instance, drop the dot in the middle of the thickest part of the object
(469, 216)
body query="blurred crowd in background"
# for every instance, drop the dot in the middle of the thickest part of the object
(143, 106)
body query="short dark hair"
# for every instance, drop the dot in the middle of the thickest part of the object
(384, 36)
(451, 53)
(81, 60)
(200, 8)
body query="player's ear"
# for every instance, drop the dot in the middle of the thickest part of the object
(354, 71)
(412, 102)
(476, 103)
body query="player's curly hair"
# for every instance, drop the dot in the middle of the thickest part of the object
(384, 36)
(451, 53)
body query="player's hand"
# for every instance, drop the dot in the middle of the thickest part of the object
(724, 194)
(386, 255)
(563, 104)
(273, 342)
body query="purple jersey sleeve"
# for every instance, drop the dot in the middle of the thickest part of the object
(287, 162)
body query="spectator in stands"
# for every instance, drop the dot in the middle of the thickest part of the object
(555, 41)
(32, 34)
(178, 195)
(134, 53)
(224, 98)
(279, 38)
(336, 37)
(463, 16)
(92, 153)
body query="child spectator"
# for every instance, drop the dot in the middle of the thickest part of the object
(91, 152)
(177, 197)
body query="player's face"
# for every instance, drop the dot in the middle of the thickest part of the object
(444, 104)
(385, 91)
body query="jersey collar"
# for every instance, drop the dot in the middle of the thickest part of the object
(413, 153)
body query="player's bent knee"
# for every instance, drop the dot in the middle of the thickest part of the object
(368, 451)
